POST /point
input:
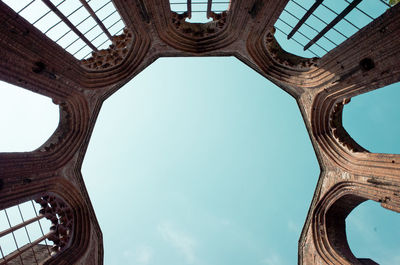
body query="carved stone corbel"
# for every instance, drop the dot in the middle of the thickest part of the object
(113, 56)
(284, 58)
(199, 29)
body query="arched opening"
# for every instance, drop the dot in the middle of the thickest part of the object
(373, 233)
(204, 161)
(371, 119)
(27, 119)
(33, 231)
(304, 27)
(199, 11)
(79, 27)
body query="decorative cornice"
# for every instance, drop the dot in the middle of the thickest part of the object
(113, 56)
(62, 131)
(287, 59)
(61, 217)
(199, 30)
(338, 131)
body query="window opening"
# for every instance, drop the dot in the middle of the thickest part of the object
(372, 235)
(372, 120)
(27, 229)
(78, 26)
(199, 11)
(27, 119)
(312, 28)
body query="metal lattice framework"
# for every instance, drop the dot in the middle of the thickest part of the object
(350, 174)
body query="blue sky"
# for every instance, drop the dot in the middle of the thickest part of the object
(207, 166)
(219, 170)
(203, 161)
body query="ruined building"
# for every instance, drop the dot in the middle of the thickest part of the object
(51, 178)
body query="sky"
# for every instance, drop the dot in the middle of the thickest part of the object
(203, 161)
(207, 166)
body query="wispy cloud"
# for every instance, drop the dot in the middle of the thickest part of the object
(273, 259)
(394, 259)
(142, 255)
(179, 240)
(292, 226)
(362, 227)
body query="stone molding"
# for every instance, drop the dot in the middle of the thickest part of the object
(199, 30)
(114, 55)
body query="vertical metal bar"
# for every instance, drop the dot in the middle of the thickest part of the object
(308, 25)
(189, 8)
(362, 11)
(15, 240)
(120, 31)
(52, 27)
(98, 35)
(302, 7)
(77, 25)
(333, 23)
(302, 34)
(105, 40)
(20, 225)
(304, 18)
(25, 248)
(37, 20)
(209, 6)
(22, 9)
(386, 3)
(336, 13)
(65, 48)
(81, 50)
(109, 15)
(108, 28)
(41, 229)
(114, 23)
(27, 234)
(70, 29)
(78, 37)
(2, 254)
(95, 17)
(68, 23)
(294, 39)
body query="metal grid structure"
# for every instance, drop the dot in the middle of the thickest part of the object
(78, 26)
(197, 9)
(306, 27)
(21, 231)
(312, 28)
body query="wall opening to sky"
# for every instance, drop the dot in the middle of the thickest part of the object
(373, 119)
(326, 11)
(373, 232)
(200, 161)
(199, 9)
(27, 119)
(21, 227)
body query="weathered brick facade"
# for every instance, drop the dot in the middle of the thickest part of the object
(349, 174)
